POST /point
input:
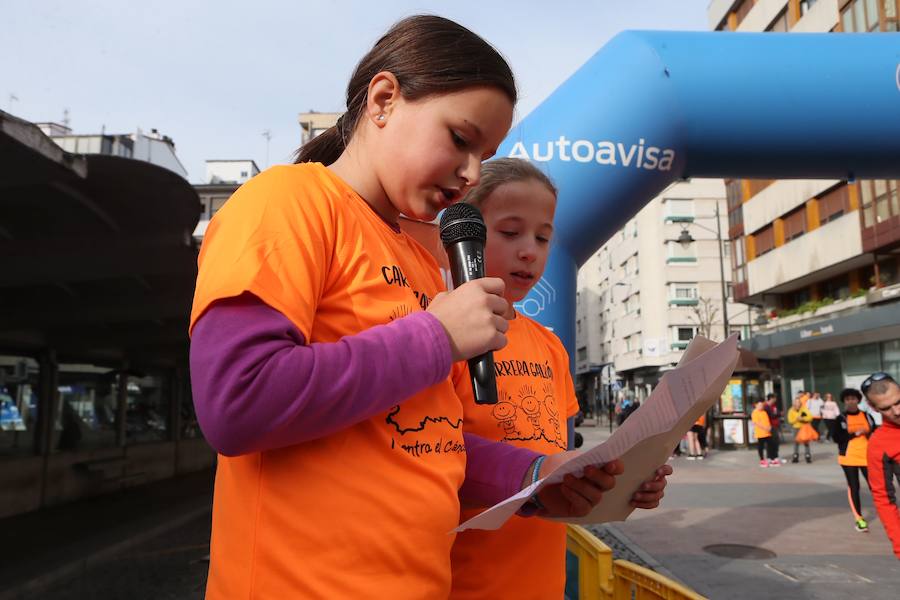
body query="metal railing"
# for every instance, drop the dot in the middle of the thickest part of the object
(593, 574)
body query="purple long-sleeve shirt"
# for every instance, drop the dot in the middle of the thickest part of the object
(258, 386)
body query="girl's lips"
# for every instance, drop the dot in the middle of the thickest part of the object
(522, 278)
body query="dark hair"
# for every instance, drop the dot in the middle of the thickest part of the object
(850, 392)
(428, 55)
(770, 395)
(495, 173)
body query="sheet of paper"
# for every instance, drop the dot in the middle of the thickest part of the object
(645, 440)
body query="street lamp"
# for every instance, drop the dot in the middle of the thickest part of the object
(686, 239)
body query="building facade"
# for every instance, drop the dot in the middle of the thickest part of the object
(150, 147)
(821, 258)
(650, 289)
(314, 123)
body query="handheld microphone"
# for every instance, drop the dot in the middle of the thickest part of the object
(464, 233)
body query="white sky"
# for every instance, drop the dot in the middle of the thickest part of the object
(214, 74)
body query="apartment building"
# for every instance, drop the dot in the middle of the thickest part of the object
(820, 258)
(651, 288)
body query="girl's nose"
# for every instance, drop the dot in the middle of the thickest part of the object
(470, 171)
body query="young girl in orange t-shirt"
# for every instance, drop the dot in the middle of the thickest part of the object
(322, 341)
(537, 403)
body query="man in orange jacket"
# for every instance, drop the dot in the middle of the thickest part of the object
(883, 455)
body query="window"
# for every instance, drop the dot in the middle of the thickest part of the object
(87, 407)
(743, 9)
(679, 210)
(19, 384)
(860, 16)
(148, 408)
(578, 326)
(686, 334)
(633, 304)
(683, 293)
(682, 336)
(582, 354)
(765, 240)
(795, 224)
(834, 204)
(880, 201)
(632, 343)
(243, 174)
(780, 24)
(837, 288)
(631, 266)
(729, 290)
(806, 5)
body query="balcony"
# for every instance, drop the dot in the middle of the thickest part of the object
(793, 320)
(780, 198)
(683, 302)
(829, 245)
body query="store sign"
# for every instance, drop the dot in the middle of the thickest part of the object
(816, 331)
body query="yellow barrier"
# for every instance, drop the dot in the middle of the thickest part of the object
(602, 578)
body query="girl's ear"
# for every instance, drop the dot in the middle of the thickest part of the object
(383, 96)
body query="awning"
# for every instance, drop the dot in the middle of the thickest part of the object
(96, 255)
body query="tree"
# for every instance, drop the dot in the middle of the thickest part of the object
(704, 313)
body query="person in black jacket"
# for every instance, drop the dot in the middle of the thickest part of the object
(774, 412)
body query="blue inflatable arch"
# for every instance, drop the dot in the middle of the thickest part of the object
(654, 107)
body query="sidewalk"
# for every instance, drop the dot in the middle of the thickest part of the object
(795, 517)
(45, 550)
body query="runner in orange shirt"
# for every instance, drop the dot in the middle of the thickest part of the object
(537, 397)
(851, 431)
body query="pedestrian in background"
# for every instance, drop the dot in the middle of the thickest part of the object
(883, 453)
(800, 419)
(814, 406)
(851, 432)
(775, 414)
(830, 412)
(762, 428)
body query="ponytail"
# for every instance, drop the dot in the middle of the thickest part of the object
(326, 147)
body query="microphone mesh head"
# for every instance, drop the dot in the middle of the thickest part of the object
(462, 222)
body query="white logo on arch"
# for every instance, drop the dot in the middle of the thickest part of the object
(542, 295)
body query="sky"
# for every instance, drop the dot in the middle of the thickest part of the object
(213, 75)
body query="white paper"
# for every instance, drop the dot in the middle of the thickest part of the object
(645, 440)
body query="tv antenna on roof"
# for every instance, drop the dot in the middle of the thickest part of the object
(268, 135)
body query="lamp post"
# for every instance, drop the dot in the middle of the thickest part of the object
(685, 238)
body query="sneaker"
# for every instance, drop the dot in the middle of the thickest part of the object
(764, 463)
(795, 459)
(808, 458)
(774, 462)
(862, 526)
(700, 457)
(691, 457)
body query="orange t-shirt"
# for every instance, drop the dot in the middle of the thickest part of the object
(365, 512)
(858, 446)
(760, 420)
(701, 422)
(526, 558)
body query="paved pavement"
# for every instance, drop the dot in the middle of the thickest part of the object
(796, 517)
(153, 542)
(146, 542)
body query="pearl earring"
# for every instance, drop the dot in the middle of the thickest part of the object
(380, 117)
